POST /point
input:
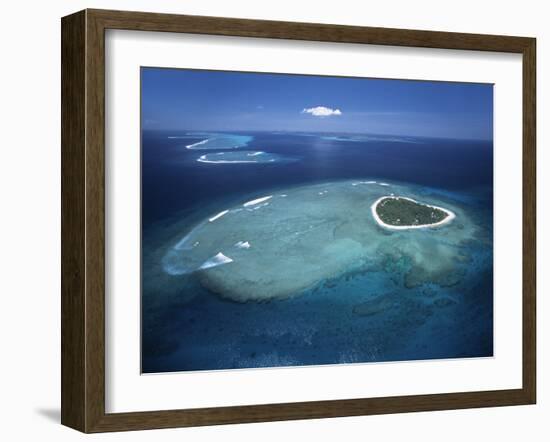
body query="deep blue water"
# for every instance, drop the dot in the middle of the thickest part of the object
(185, 327)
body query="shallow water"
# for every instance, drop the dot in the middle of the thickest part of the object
(243, 157)
(369, 295)
(210, 140)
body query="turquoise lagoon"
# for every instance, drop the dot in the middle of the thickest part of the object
(278, 245)
(273, 264)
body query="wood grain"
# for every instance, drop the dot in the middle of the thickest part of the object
(529, 221)
(83, 220)
(73, 254)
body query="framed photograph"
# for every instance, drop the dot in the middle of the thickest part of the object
(271, 220)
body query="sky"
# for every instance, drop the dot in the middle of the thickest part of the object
(184, 99)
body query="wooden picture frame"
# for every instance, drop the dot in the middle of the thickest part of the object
(83, 220)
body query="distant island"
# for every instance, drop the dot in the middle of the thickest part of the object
(401, 213)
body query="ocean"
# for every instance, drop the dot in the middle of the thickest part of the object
(388, 310)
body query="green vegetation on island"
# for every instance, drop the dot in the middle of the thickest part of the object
(403, 212)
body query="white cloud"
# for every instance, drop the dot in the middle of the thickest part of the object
(322, 111)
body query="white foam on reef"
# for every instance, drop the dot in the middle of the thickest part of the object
(450, 215)
(243, 245)
(199, 143)
(215, 261)
(219, 215)
(257, 201)
(254, 154)
(363, 182)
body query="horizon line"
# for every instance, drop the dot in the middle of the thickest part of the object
(236, 131)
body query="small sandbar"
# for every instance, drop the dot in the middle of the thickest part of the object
(243, 157)
(209, 141)
(402, 213)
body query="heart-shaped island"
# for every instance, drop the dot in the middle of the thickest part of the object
(398, 212)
